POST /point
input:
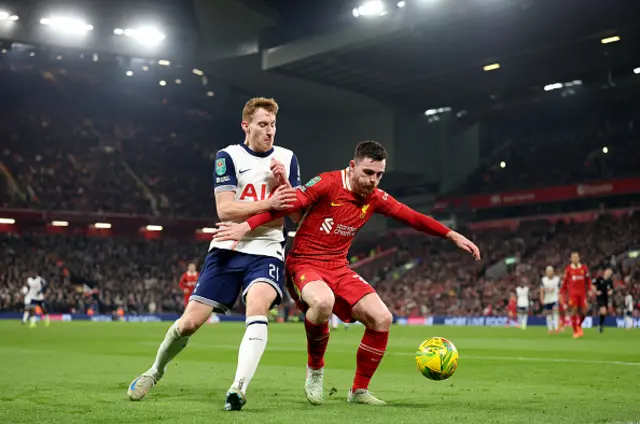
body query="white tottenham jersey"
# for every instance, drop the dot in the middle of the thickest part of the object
(628, 303)
(35, 285)
(248, 174)
(551, 287)
(523, 297)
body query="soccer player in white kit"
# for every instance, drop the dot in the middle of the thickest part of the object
(335, 323)
(33, 297)
(251, 177)
(522, 293)
(549, 290)
(628, 311)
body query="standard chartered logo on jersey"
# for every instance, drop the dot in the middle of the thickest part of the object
(327, 225)
(340, 230)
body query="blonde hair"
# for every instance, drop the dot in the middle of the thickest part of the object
(256, 103)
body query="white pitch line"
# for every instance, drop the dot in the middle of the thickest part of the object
(462, 357)
(574, 361)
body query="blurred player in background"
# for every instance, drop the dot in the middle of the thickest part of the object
(562, 311)
(249, 178)
(575, 286)
(604, 294)
(338, 204)
(512, 311)
(335, 322)
(628, 311)
(522, 292)
(34, 298)
(549, 289)
(188, 282)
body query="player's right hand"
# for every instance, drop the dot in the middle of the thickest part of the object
(464, 243)
(231, 231)
(283, 198)
(279, 172)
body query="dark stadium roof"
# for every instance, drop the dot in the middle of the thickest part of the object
(432, 58)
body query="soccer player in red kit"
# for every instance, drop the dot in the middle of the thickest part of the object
(338, 204)
(188, 282)
(512, 310)
(575, 285)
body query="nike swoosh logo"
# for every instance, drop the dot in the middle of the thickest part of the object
(336, 204)
(244, 170)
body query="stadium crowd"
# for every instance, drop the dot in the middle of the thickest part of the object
(75, 145)
(140, 276)
(445, 283)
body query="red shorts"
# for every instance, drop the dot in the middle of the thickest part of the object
(577, 300)
(347, 286)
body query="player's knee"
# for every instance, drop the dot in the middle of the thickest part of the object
(323, 303)
(383, 320)
(378, 319)
(188, 325)
(259, 299)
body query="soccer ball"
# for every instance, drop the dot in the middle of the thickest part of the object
(437, 358)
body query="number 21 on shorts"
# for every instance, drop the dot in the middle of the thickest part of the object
(273, 272)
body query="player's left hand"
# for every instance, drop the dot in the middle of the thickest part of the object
(231, 231)
(279, 172)
(465, 244)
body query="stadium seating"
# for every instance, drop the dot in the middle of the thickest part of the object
(100, 154)
(141, 275)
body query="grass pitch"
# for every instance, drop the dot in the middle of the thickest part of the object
(78, 372)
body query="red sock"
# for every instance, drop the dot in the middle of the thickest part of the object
(317, 341)
(370, 353)
(574, 323)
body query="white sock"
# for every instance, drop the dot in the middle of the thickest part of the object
(556, 320)
(334, 322)
(172, 345)
(525, 318)
(33, 319)
(25, 317)
(549, 323)
(629, 322)
(251, 350)
(46, 318)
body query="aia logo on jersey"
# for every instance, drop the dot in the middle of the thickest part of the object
(327, 225)
(251, 192)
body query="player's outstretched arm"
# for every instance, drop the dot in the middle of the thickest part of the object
(231, 210)
(390, 207)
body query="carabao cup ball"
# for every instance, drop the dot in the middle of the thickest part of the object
(437, 358)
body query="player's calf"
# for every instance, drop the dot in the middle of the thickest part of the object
(174, 342)
(259, 298)
(373, 313)
(320, 299)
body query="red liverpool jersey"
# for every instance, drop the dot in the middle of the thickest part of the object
(335, 214)
(576, 280)
(188, 282)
